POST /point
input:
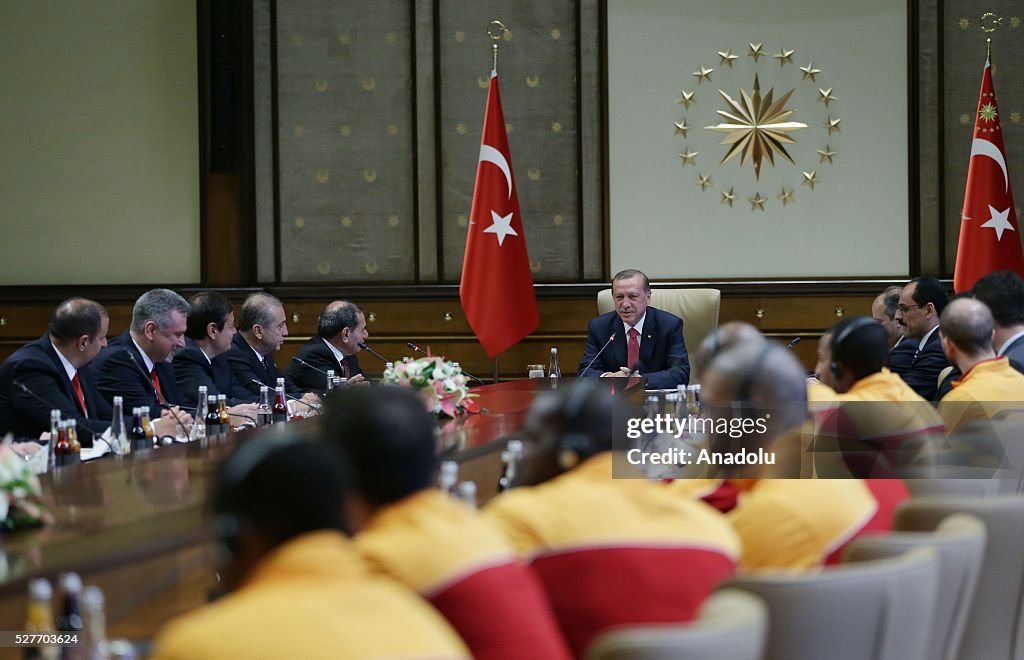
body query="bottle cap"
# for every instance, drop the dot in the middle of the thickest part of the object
(554, 351)
(70, 583)
(211, 399)
(118, 400)
(515, 447)
(467, 489)
(449, 471)
(222, 397)
(40, 589)
(92, 598)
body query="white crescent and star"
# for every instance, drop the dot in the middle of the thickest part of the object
(999, 221)
(501, 225)
(985, 148)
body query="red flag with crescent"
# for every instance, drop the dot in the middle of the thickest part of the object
(989, 235)
(497, 288)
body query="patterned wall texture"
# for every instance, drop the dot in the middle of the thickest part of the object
(361, 174)
(963, 60)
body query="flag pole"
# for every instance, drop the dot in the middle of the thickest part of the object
(495, 31)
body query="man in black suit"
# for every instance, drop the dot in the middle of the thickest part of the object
(1003, 293)
(262, 327)
(340, 330)
(208, 334)
(137, 365)
(921, 303)
(901, 347)
(55, 370)
(647, 340)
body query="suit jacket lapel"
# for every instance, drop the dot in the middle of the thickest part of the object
(65, 382)
(618, 347)
(649, 338)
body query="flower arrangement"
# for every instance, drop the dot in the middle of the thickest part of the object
(440, 384)
(21, 497)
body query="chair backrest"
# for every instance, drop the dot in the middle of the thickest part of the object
(731, 624)
(959, 543)
(943, 375)
(697, 307)
(995, 623)
(879, 610)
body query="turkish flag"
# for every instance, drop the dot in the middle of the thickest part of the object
(496, 287)
(989, 236)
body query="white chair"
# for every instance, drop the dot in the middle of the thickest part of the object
(697, 307)
(731, 624)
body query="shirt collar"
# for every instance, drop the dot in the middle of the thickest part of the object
(1006, 344)
(68, 367)
(145, 358)
(639, 326)
(338, 355)
(927, 336)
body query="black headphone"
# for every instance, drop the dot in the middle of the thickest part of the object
(237, 467)
(837, 341)
(574, 443)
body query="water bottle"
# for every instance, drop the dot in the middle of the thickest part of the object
(554, 372)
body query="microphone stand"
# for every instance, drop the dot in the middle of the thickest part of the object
(464, 372)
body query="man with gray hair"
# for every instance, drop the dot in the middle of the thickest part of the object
(989, 383)
(340, 331)
(262, 327)
(901, 347)
(137, 365)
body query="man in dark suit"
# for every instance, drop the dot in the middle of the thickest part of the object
(921, 303)
(55, 371)
(137, 365)
(262, 327)
(208, 334)
(901, 347)
(340, 330)
(1003, 293)
(647, 340)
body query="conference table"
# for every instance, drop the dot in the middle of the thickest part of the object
(137, 527)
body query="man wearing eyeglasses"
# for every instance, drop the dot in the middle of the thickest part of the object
(921, 304)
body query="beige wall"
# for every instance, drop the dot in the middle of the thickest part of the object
(99, 179)
(855, 221)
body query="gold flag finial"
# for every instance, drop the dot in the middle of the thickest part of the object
(495, 31)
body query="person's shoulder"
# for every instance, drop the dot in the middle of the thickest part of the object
(34, 351)
(665, 318)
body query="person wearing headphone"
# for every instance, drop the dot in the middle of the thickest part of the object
(426, 539)
(609, 551)
(296, 588)
(786, 523)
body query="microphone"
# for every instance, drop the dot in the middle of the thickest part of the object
(307, 364)
(796, 340)
(464, 372)
(311, 406)
(373, 352)
(587, 368)
(159, 398)
(95, 436)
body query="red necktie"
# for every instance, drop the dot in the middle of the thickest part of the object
(156, 385)
(344, 367)
(77, 384)
(633, 348)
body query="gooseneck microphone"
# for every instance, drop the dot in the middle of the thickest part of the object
(159, 397)
(290, 397)
(464, 372)
(27, 390)
(307, 364)
(585, 369)
(373, 352)
(790, 345)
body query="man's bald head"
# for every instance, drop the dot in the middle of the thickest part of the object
(968, 324)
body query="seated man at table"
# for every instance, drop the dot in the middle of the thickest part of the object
(989, 384)
(137, 365)
(1003, 293)
(53, 372)
(636, 338)
(340, 330)
(296, 588)
(208, 334)
(610, 552)
(787, 523)
(901, 347)
(921, 302)
(419, 535)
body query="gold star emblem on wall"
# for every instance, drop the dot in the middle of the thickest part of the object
(728, 197)
(826, 96)
(703, 74)
(727, 57)
(1015, 117)
(756, 51)
(826, 154)
(690, 157)
(681, 128)
(757, 202)
(1015, 22)
(964, 23)
(965, 119)
(833, 125)
(556, 34)
(810, 179)
(786, 197)
(556, 127)
(757, 127)
(704, 181)
(687, 98)
(810, 72)
(784, 56)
